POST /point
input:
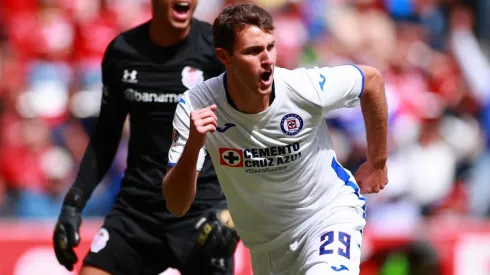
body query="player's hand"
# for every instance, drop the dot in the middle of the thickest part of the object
(203, 121)
(217, 238)
(66, 236)
(370, 178)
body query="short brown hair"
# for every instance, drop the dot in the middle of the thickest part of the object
(234, 19)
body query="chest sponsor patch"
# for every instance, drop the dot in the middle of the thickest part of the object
(261, 160)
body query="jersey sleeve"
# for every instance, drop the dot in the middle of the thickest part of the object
(181, 125)
(337, 87)
(104, 141)
(114, 107)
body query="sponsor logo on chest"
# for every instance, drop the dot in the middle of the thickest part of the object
(135, 96)
(264, 160)
(261, 160)
(190, 78)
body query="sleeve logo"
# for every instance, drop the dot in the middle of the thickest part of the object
(322, 81)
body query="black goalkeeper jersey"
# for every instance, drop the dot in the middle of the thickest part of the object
(146, 81)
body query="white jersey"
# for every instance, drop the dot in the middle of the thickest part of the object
(277, 168)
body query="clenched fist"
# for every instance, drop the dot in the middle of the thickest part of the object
(202, 122)
(371, 178)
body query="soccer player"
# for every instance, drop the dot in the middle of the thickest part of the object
(294, 206)
(145, 71)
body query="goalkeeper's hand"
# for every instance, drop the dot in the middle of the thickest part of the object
(217, 235)
(66, 236)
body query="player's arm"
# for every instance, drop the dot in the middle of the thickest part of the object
(375, 112)
(186, 156)
(372, 176)
(96, 161)
(345, 86)
(179, 185)
(104, 141)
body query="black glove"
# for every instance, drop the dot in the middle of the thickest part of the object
(66, 233)
(218, 238)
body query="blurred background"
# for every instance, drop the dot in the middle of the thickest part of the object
(433, 217)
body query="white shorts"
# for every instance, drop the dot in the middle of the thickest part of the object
(331, 247)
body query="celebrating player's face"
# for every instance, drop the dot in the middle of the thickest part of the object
(253, 59)
(178, 12)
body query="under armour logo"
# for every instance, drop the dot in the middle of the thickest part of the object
(130, 76)
(218, 262)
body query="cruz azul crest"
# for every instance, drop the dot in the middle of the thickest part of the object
(291, 124)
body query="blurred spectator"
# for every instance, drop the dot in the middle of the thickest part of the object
(43, 37)
(56, 166)
(432, 18)
(289, 47)
(476, 69)
(94, 31)
(7, 203)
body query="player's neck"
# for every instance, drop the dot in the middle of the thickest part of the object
(246, 101)
(164, 35)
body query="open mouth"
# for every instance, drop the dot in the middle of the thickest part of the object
(182, 7)
(265, 76)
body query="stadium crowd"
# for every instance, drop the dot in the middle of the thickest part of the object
(432, 54)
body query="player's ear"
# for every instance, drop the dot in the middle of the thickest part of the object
(223, 56)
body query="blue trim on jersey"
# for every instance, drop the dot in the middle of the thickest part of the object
(339, 170)
(171, 164)
(181, 100)
(344, 176)
(362, 74)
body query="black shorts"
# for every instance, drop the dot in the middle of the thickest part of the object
(124, 245)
